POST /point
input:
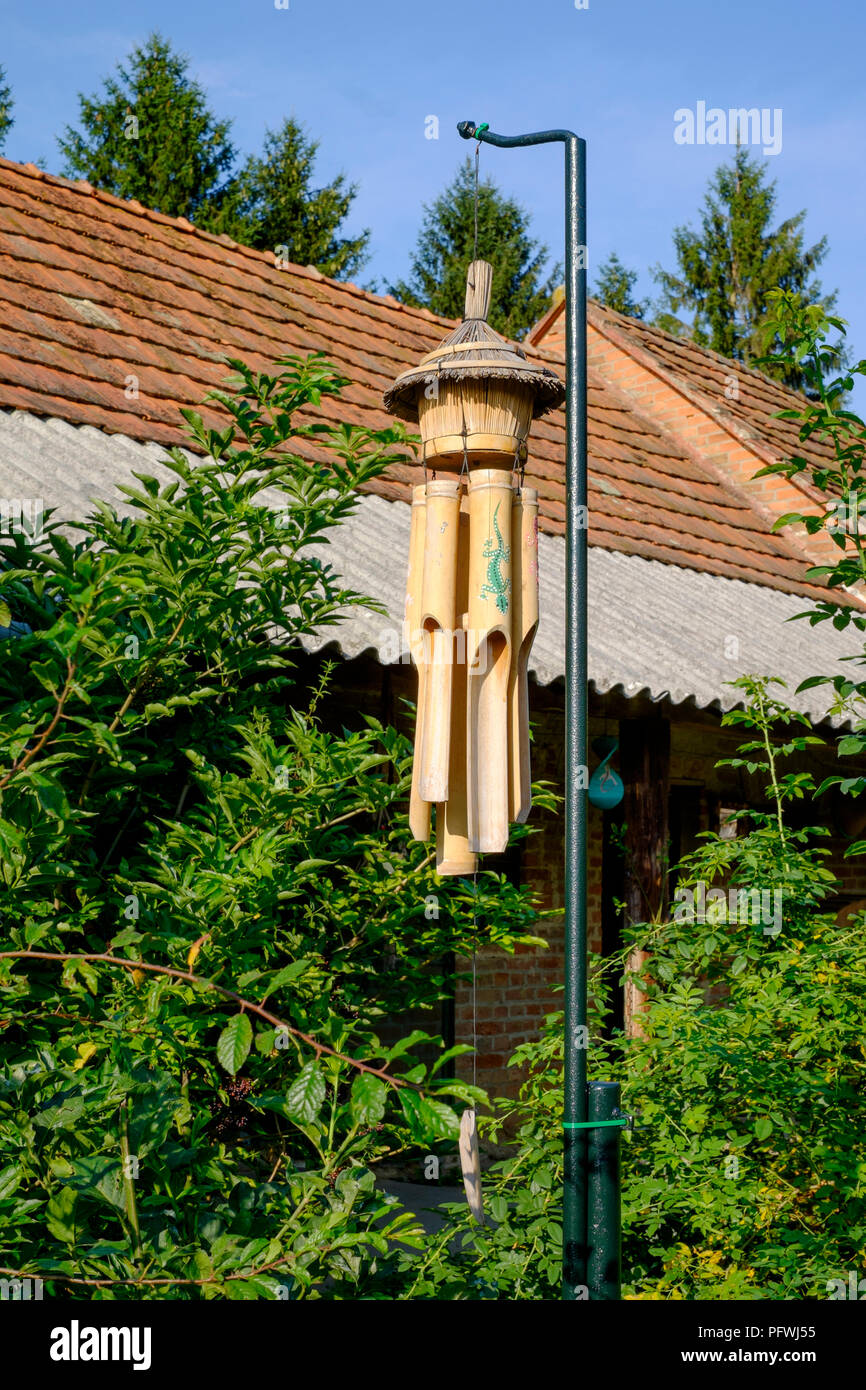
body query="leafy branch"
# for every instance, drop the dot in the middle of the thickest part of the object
(40, 743)
(247, 1005)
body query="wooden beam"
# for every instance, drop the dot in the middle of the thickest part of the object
(644, 760)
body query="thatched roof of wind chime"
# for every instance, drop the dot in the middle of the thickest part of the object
(475, 351)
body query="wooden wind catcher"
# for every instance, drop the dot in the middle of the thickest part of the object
(472, 592)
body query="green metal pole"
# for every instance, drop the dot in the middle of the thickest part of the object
(604, 1266)
(574, 1197)
(574, 1212)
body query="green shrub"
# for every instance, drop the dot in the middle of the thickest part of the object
(209, 902)
(745, 1177)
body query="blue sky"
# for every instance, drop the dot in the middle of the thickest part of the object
(364, 76)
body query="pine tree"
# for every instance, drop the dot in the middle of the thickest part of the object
(726, 270)
(7, 120)
(270, 204)
(615, 286)
(445, 248)
(151, 135)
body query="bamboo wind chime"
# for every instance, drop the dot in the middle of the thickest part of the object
(472, 592)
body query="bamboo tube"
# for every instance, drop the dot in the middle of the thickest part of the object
(419, 809)
(438, 620)
(470, 1164)
(489, 658)
(453, 855)
(524, 625)
(479, 283)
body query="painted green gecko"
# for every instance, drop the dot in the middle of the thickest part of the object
(496, 555)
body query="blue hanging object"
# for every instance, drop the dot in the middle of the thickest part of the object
(605, 786)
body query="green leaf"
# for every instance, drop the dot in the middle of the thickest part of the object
(445, 1123)
(369, 1095)
(272, 1100)
(428, 1119)
(764, 1127)
(151, 1116)
(60, 1215)
(49, 795)
(306, 1095)
(99, 1176)
(285, 976)
(405, 1044)
(88, 975)
(234, 1043)
(10, 1178)
(63, 1112)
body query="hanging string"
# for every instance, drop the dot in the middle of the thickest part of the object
(518, 468)
(475, 242)
(474, 982)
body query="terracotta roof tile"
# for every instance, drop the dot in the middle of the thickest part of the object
(704, 375)
(94, 289)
